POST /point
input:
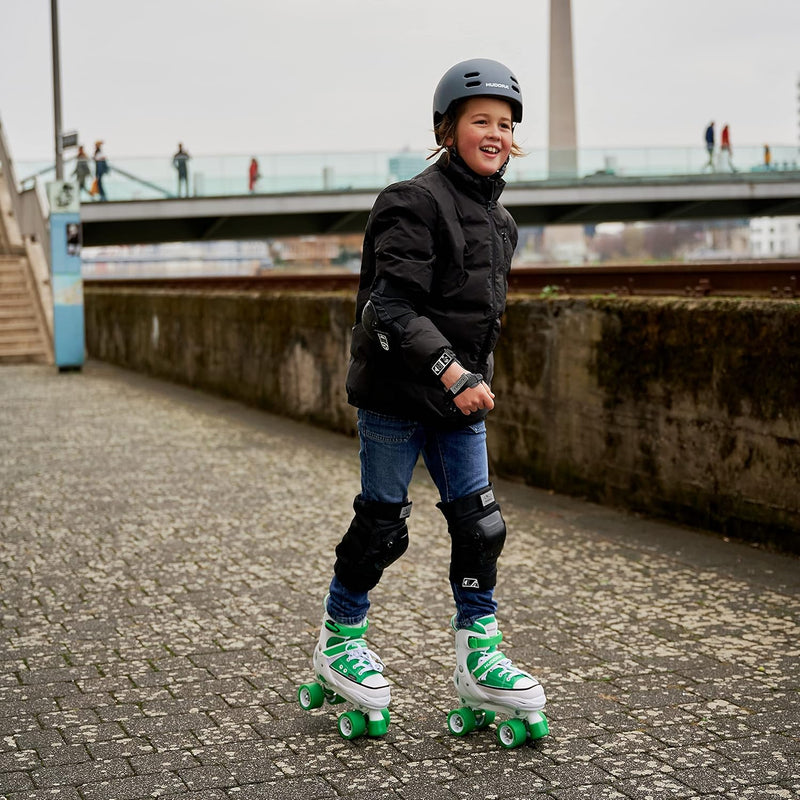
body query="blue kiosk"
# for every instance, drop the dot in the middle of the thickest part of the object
(65, 258)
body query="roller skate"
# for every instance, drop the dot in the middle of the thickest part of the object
(348, 671)
(488, 683)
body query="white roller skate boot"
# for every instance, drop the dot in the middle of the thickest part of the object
(488, 683)
(348, 671)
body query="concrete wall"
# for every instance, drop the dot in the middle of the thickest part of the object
(688, 409)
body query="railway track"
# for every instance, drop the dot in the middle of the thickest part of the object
(773, 279)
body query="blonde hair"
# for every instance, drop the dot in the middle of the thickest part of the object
(446, 129)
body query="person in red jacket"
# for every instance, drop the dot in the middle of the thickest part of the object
(253, 174)
(725, 148)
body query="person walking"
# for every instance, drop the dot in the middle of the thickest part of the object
(725, 148)
(181, 163)
(432, 290)
(710, 145)
(101, 169)
(253, 175)
(83, 170)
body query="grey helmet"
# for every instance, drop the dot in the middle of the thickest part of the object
(476, 77)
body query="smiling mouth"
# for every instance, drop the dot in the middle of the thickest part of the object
(493, 151)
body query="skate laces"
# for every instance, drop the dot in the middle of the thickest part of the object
(498, 663)
(362, 657)
(357, 655)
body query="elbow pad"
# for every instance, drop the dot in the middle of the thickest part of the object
(372, 326)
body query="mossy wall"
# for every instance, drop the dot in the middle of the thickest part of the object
(284, 352)
(683, 408)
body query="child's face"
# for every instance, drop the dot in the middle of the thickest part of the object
(484, 134)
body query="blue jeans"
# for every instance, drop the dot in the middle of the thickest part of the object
(458, 464)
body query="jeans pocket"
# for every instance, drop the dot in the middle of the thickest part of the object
(382, 428)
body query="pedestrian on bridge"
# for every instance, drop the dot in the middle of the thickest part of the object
(710, 145)
(101, 169)
(435, 262)
(253, 175)
(181, 163)
(83, 170)
(725, 148)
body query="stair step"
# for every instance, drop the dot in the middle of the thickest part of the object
(16, 312)
(23, 356)
(17, 346)
(21, 322)
(14, 301)
(20, 340)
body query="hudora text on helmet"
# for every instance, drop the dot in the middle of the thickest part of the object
(476, 77)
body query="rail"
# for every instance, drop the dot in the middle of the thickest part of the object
(765, 279)
(280, 173)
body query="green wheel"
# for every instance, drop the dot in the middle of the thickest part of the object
(310, 695)
(512, 733)
(352, 725)
(378, 727)
(483, 719)
(539, 728)
(461, 721)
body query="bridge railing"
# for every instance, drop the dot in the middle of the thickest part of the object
(224, 175)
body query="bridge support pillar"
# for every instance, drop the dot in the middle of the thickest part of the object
(562, 159)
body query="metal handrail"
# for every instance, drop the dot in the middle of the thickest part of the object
(129, 175)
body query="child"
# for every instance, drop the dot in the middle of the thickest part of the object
(437, 251)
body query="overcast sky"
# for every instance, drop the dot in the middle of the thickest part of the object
(263, 76)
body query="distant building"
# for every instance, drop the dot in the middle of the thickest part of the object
(774, 237)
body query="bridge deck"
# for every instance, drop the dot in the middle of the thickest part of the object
(164, 558)
(589, 201)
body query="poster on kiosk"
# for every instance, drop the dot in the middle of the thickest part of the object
(65, 257)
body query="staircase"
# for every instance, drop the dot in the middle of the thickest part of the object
(25, 299)
(22, 339)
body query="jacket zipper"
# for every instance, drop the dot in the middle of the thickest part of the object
(486, 348)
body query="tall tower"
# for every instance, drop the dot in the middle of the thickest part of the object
(562, 161)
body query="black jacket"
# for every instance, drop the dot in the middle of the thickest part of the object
(437, 252)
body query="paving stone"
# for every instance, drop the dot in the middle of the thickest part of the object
(313, 788)
(15, 781)
(139, 786)
(164, 554)
(54, 793)
(590, 792)
(78, 774)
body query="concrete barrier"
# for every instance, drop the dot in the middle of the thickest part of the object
(681, 408)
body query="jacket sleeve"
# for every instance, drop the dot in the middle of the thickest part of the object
(404, 234)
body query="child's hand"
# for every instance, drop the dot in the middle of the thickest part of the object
(470, 400)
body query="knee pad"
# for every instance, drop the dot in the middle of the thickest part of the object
(477, 533)
(376, 538)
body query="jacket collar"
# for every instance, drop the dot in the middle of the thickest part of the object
(479, 187)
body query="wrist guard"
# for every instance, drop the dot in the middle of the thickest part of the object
(469, 380)
(446, 358)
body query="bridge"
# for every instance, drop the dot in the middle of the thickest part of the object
(314, 194)
(328, 193)
(590, 201)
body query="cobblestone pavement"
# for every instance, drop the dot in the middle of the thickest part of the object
(164, 557)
